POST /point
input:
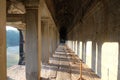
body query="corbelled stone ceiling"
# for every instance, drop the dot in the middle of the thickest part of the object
(66, 13)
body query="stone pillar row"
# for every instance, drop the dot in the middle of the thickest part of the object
(41, 41)
(49, 40)
(42, 38)
(45, 40)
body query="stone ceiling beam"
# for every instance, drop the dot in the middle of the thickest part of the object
(15, 17)
(32, 3)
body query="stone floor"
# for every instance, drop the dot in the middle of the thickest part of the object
(64, 65)
(16, 72)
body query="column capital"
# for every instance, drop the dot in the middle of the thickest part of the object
(32, 4)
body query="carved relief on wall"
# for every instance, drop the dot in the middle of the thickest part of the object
(16, 7)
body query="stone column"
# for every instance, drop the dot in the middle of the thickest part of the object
(54, 39)
(3, 67)
(84, 51)
(24, 36)
(57, 38)
(99, 57)
(45, 41)
(93, 55)
(48, 34)
(51, 39)
(32, 45)
(118, 73)
(21, 49)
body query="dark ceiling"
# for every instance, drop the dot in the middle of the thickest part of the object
(64, 11)
(67, 13)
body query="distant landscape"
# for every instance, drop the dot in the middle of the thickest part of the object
(12, 38)
(12, 47)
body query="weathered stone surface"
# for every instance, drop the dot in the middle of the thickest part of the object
(3, 40)
(45, 41)
(32, 53)
(16, 7)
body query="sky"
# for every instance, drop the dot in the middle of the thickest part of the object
(11, 28)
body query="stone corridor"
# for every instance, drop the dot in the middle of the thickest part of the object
(90, 28)
(63, 65)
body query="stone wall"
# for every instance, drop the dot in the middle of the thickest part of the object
(96, 39)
